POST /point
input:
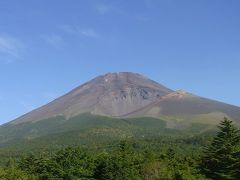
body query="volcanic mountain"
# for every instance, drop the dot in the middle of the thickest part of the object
(124, 95)
(113, 106)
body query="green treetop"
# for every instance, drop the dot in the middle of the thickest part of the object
(221, 157)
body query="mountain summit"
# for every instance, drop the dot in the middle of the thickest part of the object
(113, 94)
(126, 94)
(112, 107)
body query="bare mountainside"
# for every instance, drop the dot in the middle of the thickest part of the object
(126, 95)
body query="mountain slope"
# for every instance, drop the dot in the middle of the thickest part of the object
(184, 106)
(114, 94)
(86, 129)
(114, 106)
(132, 95)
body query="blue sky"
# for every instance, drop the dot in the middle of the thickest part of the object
(48, 47)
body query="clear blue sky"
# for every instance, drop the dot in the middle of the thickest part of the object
(48, 47)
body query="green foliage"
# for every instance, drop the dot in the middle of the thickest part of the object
(74, 163)
(182, 167)
(69, 163)
(178, 156)
(221, 158)
(152, 159)
(122, 164)
(85, 129)
(11, 172)
(43, 167)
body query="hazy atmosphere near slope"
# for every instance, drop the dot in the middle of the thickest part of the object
(181, 44)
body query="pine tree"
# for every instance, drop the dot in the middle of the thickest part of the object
(221, 157)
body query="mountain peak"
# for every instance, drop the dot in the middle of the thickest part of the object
(122, 75)
(112, 94)
(125, 94)
(124, 80)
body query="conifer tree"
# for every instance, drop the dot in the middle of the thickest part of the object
(221, 157)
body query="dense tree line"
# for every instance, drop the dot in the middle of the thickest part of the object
(130, 159)
(221, 159)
